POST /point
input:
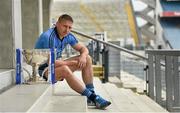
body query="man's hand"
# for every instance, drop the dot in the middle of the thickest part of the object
(82, 61)
(83, 54)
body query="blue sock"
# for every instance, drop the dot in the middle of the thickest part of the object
(90, 87)
(89, 94)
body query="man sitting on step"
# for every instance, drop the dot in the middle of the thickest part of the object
(58, 37)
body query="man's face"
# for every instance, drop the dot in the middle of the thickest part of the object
(64, 27)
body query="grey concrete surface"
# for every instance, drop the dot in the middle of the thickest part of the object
(60, 98)
(95, 16)
(30, 21)
(30, 25)
(7, 79)
(6, 35)
(20, 97)
(46, 14)
(124, 100)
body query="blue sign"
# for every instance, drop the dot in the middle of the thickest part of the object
(18, 66)
(52, 65)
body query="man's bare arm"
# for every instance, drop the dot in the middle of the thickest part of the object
(81, 49)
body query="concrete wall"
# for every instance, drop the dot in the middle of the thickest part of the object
(19, 26)
(46, 14)
(6, 35)
(30, 23)
(114, 60)
(11, 32)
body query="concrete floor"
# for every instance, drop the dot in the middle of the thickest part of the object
(43, 97)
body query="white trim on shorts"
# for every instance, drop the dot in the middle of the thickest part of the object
(45, 69)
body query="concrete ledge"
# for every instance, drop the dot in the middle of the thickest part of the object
(20, 97)
(60, 98)
(7, 78)
(42, 97)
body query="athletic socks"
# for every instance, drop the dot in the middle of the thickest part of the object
(100, 103)
(91, 96)
(90, 87)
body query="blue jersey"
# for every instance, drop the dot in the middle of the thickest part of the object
(50, 39)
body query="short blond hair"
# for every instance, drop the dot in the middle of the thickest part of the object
(65, 17)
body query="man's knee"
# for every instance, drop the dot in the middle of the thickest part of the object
(64, 71)
(89, 59)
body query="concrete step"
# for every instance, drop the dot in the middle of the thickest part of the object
(42, 97)
(143, 100)
(120, 99)
(148, 101)
(132, 82)
(21, 97)
(7, 79)
(136, 85)
(115, 80)
(124, 100)
(128, 82)
(60, 98)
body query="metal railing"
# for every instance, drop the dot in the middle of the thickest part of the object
(125, 59)
(109, 44)
(164, 80)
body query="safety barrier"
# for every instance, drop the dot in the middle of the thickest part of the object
(158, 62)
(164, 78)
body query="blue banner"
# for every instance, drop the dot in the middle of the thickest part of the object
(52, 65)
(18, 66)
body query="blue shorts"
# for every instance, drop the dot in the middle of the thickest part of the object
(41, 70)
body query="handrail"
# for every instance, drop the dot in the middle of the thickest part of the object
(109, 44)
(168, 80)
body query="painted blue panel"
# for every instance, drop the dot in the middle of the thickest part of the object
(171, 28)
(170, 5)
(18, 66)
(52, 58)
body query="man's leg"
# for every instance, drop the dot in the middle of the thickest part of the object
(78, 86)
(87, 72)
(87, 75)
(73, 81)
